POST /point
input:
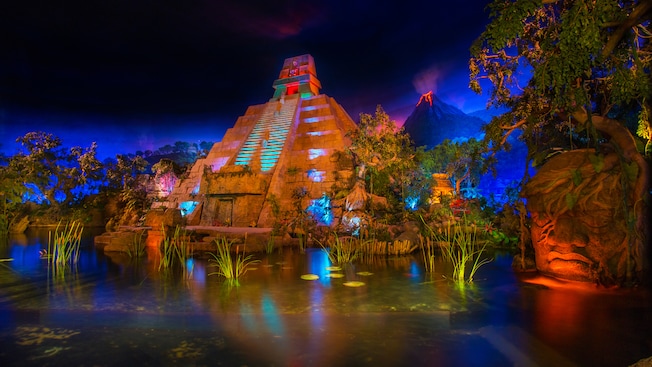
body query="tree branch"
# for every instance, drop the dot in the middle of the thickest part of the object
(640, 10)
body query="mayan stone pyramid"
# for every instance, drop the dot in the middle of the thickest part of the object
(292, 143)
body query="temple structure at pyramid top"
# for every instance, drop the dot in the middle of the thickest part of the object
(298, 76)
(294, 143)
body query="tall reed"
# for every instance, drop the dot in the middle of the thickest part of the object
(227, 266)
(428, 250)
(63, 245)
(269, 247)
(459, 246)
(373, 246)
(137, 248)
(167, 252)
(175, 248)
(341, 251)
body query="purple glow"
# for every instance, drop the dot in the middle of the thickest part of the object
(218, 163)
(165, 184)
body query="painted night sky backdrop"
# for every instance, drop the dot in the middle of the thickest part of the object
(136, 75)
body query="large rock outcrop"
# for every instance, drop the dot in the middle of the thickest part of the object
(583, 219)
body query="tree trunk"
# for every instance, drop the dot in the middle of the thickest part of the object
(458, 183)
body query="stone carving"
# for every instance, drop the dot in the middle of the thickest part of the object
(583, 223)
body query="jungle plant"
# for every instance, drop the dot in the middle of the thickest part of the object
(269, 247)
(61, 175)
(341, 251)
(175, 247)
(167, 253)
(277, 226)
(574, 67)
(12, 190)
(137, 248)
(227, 266)
(383, 153)
(123, 177)
(63, 245)
(371, 247)
(500, 239)
(463, 162)
(428, 251)
(303, 222)
(459, 246)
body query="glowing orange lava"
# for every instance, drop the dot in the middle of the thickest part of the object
(426, 97)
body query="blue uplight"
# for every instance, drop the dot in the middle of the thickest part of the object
(321, 210)
(412, 203)
(187, 207)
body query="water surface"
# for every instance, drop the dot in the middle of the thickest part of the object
(118, 311)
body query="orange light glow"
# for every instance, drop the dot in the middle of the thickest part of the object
(426, 97)
(558, 283)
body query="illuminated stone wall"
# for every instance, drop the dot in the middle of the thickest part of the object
(310, 159)
(294, 141)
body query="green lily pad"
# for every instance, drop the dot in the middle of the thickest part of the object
(333, 268)
(353, 283)
(310, 277)
(364, 273)
(335, 275)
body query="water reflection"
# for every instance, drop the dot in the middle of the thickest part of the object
(400, 316)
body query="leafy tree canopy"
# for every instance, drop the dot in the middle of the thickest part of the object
(380, 147)
(462, 161)
(379, 144)
(587, 65)
(569, 67)
(54, 170)
(588, 61)
(122, 172)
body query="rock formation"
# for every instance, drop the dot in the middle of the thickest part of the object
(582, 219)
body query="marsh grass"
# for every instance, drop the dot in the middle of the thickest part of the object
(176, 249)
(459, 246)
(228, 266)
(341, 251)
(374, 246)
(428, 251)
(63, 245)
(167, 252)
(137, 248)
(269, 247)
